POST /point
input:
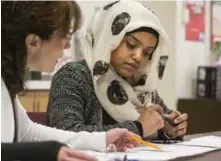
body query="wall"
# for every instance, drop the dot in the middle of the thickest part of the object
(87, 8)
(189, 54)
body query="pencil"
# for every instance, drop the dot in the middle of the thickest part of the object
(145, 142)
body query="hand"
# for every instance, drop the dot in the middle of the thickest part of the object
(121, 138)
(67, 154)
(151, 120)
(180, 129)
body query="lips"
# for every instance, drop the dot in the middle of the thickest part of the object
(133, 65)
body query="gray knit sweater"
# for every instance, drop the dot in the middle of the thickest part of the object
(73, 104)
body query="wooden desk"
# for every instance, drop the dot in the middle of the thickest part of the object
(210, 156)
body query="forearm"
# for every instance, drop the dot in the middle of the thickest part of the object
(30, 131)
(43, 151)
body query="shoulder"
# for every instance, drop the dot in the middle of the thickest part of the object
(74, 68)
(76, 71)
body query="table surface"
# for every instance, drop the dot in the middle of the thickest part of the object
(210, 156)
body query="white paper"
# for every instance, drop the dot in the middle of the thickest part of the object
(169, 151)
(207, 141)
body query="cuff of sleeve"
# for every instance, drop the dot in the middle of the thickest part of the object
(163, 136)
(139, 127)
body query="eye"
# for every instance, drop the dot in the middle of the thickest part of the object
(130, 45)
(147, 54)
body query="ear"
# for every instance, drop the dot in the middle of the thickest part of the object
(33, 43)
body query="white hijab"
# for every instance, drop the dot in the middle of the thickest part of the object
(104, 34)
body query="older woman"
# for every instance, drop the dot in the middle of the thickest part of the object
(34, 35)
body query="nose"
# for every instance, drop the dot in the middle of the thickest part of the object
(138, 55)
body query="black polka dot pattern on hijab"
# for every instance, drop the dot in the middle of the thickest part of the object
(92, 40)
(161, 66)
(116, 93)
(141, 97)
(153, 97)
(120, 22)
(142, 81)
(100, 68)
(106, 7)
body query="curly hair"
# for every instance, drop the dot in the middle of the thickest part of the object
(20, 18)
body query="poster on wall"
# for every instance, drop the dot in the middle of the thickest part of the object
(195, 25)
(216, 22)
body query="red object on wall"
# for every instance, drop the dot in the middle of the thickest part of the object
(195, 27)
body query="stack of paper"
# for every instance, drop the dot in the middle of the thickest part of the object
(169, 151)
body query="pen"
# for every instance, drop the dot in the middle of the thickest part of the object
(165, 141)
(145, 142)
(169, 120)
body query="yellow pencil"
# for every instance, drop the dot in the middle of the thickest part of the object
(145, 143)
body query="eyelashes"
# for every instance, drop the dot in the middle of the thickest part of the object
(133, 46)
(130, 45)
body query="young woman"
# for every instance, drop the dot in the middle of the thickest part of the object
(115, 86)
(34, 34)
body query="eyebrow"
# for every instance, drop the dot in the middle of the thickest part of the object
(140, 41)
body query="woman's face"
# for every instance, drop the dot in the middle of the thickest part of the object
(43, 54)
(132, 53)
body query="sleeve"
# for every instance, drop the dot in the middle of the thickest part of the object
(29, 131)
(68, 98)
(160, 101)
(43, 151)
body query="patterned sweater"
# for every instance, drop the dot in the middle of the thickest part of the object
(73, 104)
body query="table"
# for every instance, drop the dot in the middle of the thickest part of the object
(210, 156)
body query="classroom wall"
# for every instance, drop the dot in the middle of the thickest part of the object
(190, 54)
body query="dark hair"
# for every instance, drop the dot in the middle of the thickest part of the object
(20, 18)
(149, 30)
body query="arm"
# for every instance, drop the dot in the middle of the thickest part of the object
(30, 131)
(43, 151)
(69, 95)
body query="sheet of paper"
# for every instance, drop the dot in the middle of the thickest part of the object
(206, 141)
(171, 151)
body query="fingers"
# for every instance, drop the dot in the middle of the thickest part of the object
(80, 155)
(178, 130)
(157, 108)
(181, 118)
(174, 115)
(181, 126)
(181, 132)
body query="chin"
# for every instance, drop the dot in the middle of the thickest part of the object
(48, 69)
(125, 74)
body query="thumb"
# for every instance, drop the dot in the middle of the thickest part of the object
(174, 115)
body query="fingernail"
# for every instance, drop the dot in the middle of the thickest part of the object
(176, 121)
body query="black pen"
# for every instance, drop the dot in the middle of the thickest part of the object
(165, 141)
(169, 120)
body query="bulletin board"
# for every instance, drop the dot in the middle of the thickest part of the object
(195, 25)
